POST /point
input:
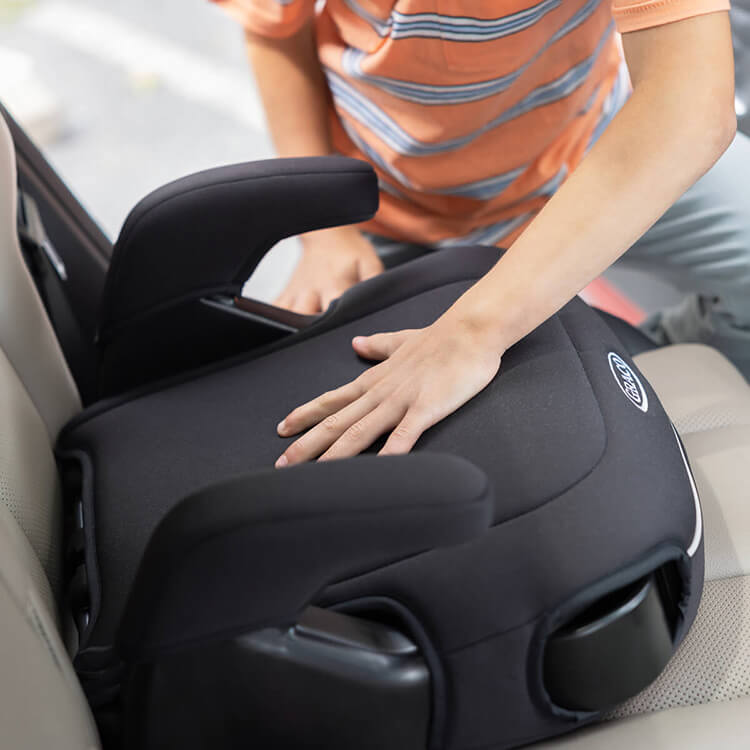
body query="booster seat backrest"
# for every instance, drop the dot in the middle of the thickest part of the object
(26, 335)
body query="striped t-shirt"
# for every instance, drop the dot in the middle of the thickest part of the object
(471, 111)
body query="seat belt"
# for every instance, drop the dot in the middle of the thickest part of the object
(48, 271)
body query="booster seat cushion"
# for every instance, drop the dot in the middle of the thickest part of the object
(591, 486)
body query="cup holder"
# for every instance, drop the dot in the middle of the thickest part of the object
(614, 648)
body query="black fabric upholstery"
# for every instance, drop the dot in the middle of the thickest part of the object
(590, 491)
(633, 339)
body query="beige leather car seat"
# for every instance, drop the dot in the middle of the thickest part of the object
(41, 702)
(701, 700)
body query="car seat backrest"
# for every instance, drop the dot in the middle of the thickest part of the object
(41, 702)
(29, 484)
(26, 335)
(37, 394)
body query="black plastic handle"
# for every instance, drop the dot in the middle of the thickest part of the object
(254, 551)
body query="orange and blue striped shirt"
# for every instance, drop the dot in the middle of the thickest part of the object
(471, 111)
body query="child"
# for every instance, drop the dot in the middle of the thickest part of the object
(477, 116)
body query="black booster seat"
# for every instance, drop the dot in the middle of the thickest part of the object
(534, 562)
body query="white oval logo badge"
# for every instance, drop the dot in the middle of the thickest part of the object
(628, 381)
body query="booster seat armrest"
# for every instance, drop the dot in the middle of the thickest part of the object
(254, 551)
(204, 234)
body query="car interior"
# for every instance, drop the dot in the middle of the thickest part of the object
(562, 563)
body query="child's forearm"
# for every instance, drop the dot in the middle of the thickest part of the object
(295, 98)
(294, 92)
(678, 121)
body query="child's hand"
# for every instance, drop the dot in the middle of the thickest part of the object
(424, 376)
(332, 261)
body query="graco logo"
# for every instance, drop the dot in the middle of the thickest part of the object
(628, 381)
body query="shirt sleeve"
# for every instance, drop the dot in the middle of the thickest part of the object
(634, 15)
(271, 18)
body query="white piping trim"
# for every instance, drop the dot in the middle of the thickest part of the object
(697, 535)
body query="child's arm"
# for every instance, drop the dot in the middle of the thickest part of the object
(678, 121)
(295, 99)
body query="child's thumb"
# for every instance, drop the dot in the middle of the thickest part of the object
(379, 346)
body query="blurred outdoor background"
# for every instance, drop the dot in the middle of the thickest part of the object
(125, 95)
